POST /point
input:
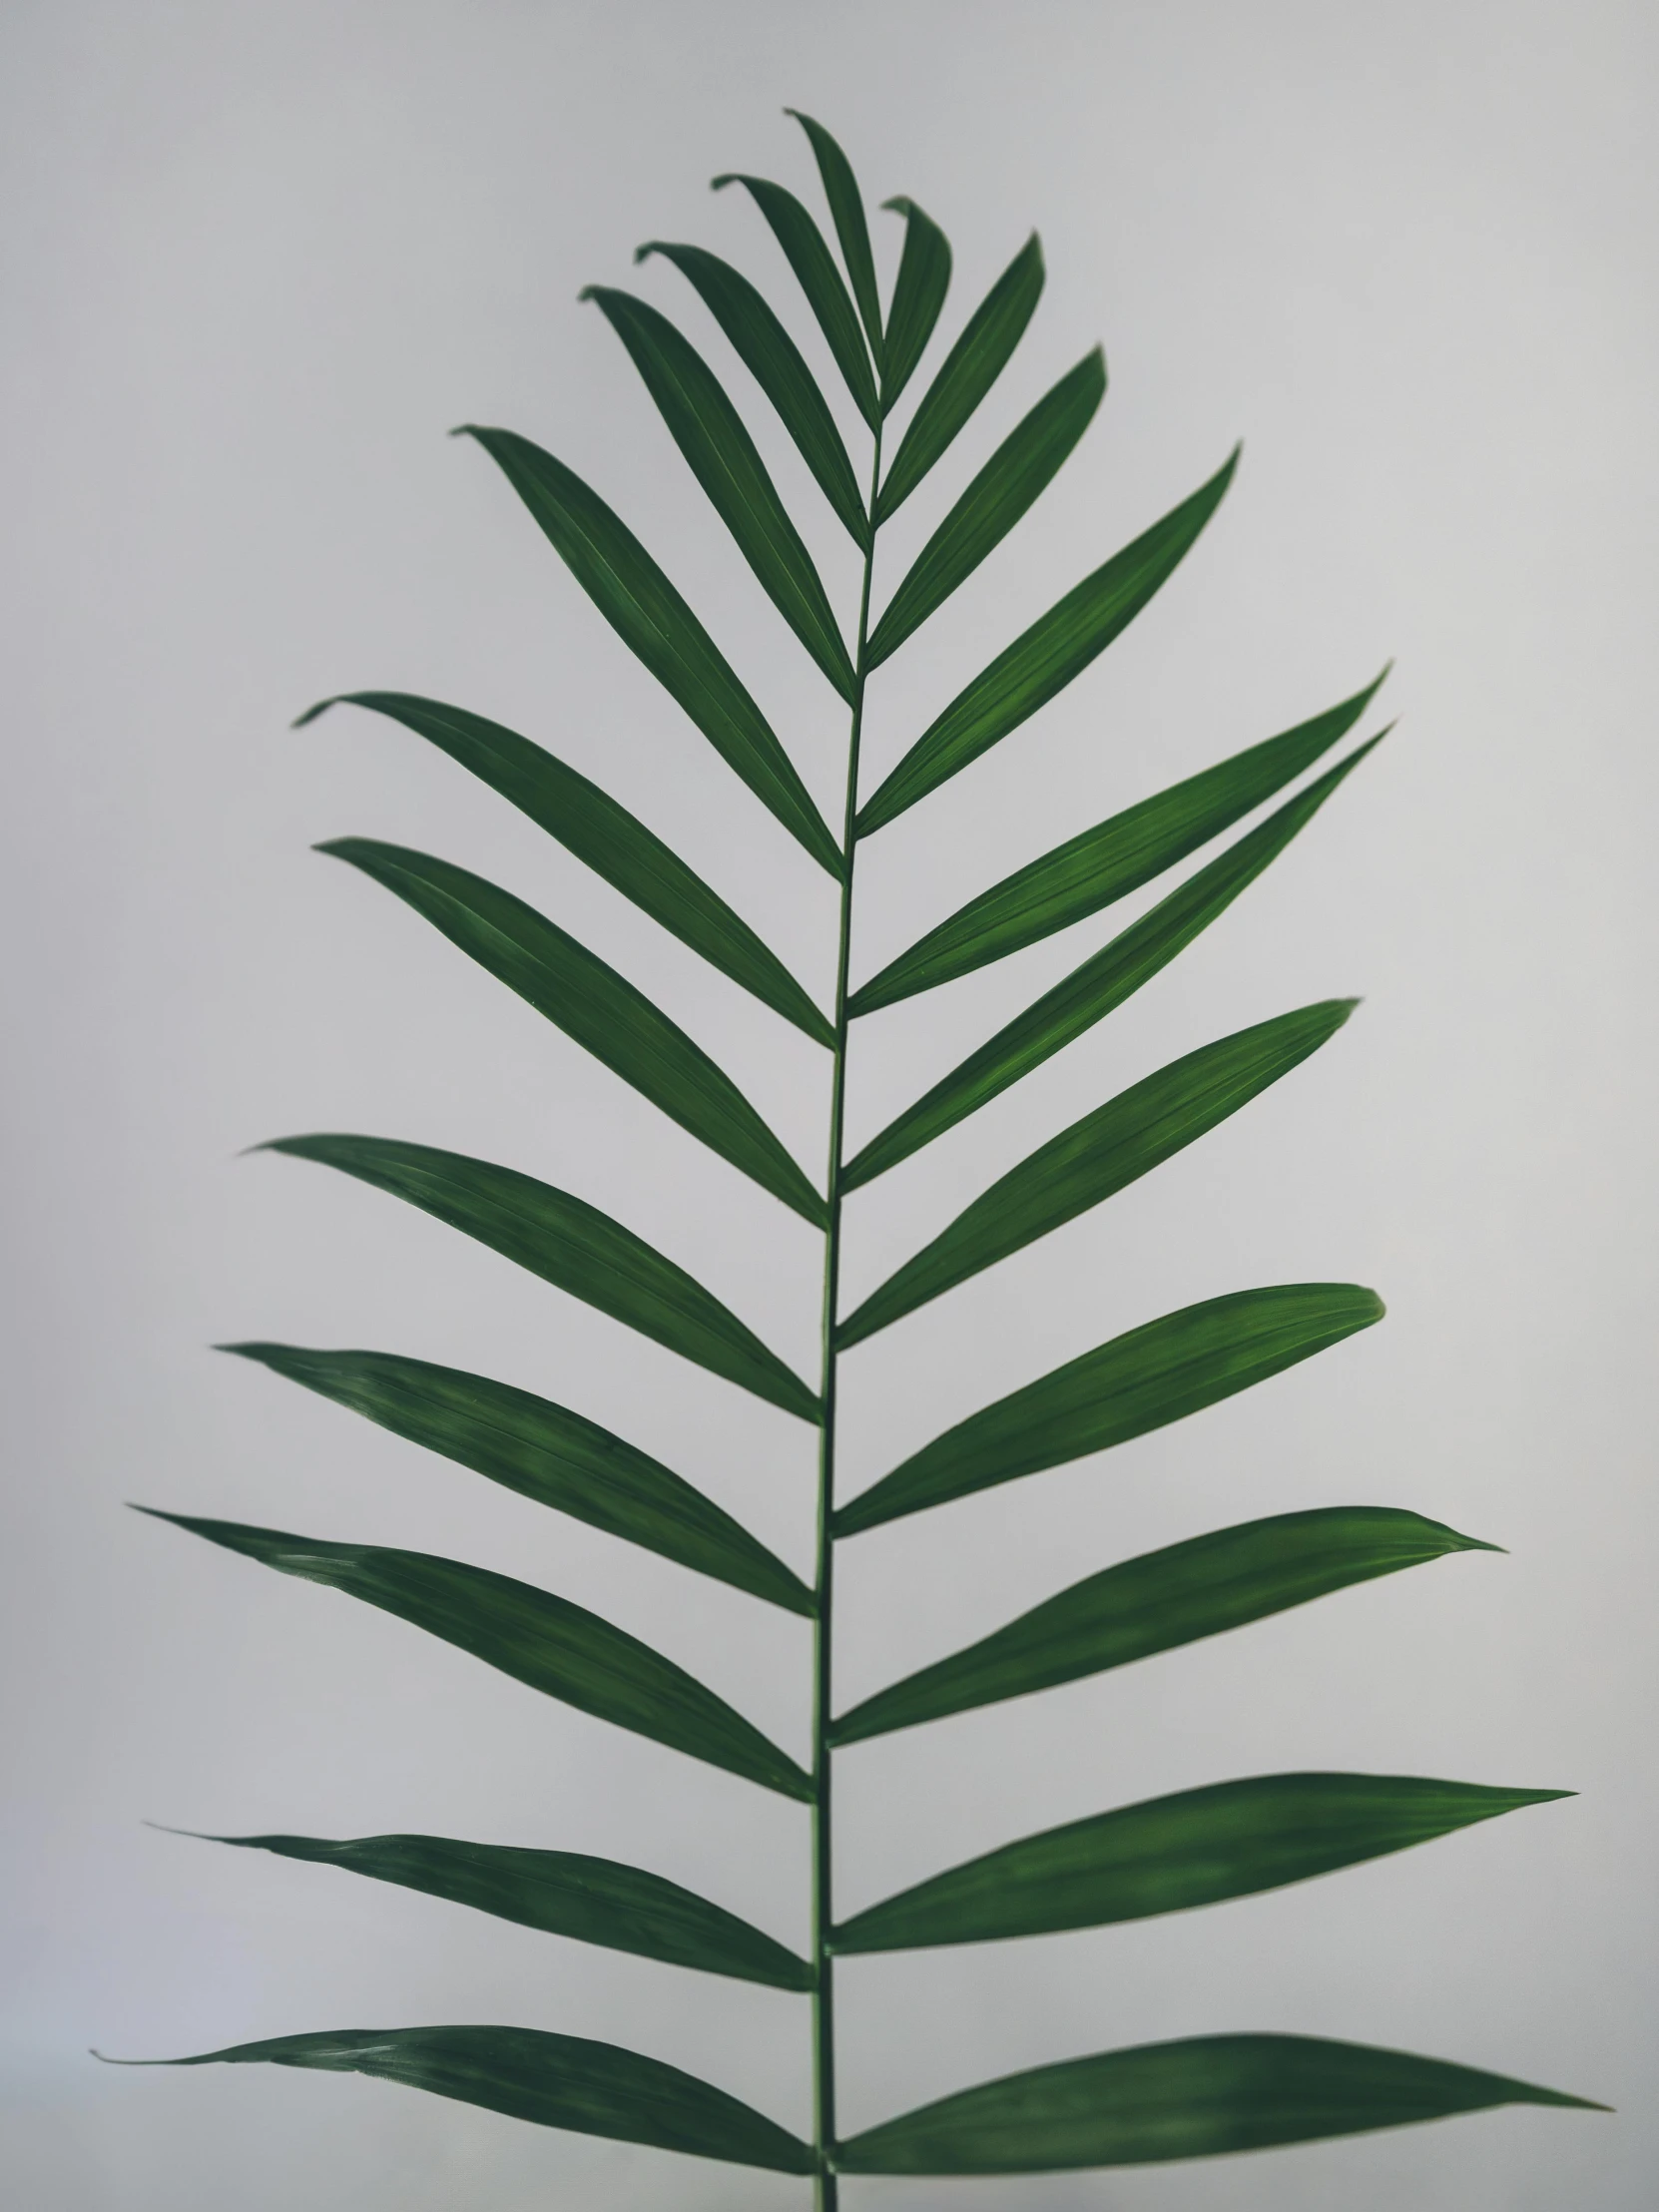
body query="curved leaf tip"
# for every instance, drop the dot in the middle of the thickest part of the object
(321, 708)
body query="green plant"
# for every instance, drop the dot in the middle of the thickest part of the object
(1171, 2100)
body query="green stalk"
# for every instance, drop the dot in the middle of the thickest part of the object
(823, 1992)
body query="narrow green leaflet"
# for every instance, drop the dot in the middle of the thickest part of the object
(555, 2080)
(1198, 2098)
(1021, 467)
(973, 366)
(1102, 982)
(1108, 1149)
(1200, 1847)
(653, 622)
(1044, 658)
(709, 432)
(570, 1244)
(1154, 1374)
(592, 1003)
(847, 208)
(606, 838)
(919, 294)
(546, 1453)
(1163, 1599)
(1105, 863)
(563, 1892)
(774, 360)
(820, 279)
(543, 1641)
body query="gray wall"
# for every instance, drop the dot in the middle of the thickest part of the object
(259, 259)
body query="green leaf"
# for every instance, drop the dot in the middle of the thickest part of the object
(1203, 1587)
(541, 1640)
(774, 360)
(1044, 658)
(1108, 1149)
(820, 279)
(554, 2080)
(1105, 863)
(1154, 1374)
(710, 434)
(592, 1003)
(973, 366)
(847, 208)
(653, 622)
(919, 294)
(1020, 468)
(543, 1451)
(1102, 982)
(607, 839)
(570, 1244)
(563, 1892)
(1198, 2098)
(1199, 1846)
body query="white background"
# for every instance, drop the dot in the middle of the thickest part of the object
(257, 259)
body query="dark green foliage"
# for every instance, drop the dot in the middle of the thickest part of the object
(608, 838)
(918, 295)
(1163, 1599)
(774, 360)
(1159, 1373)
(970, 368)
(590, 1002)
(1119, 1142)
(847, 209)
(541, 1640)
(1172, 1853)
(820, 279)
(709, 431)
(1095, 989)
(555, 2080)
(1190, 2099)
(1020, 469)
(651, 618)
(1193, 2099)
(1048, 656)
(1105, 863)
(563, 1892)
(571, 1244)
(545, 1452)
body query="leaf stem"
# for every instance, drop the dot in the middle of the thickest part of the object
(824, 1996)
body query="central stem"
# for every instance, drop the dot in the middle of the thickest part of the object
(824, 1992)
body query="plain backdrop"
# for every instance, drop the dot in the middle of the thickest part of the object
(257, 259)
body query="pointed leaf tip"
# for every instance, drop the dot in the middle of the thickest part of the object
(586, 998)
(531, 1636)
(569, 1244)
(311, 713)
(552, 2080)
(629, 592)
(721, 454)
(1016, 474)
(1205, 1586)
(1052, 650)
(970, 368)
(544, 1452)
(1171, 1854)
(1102, 1154)
(1200, 2097)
